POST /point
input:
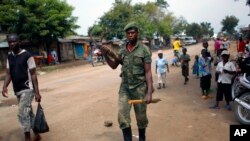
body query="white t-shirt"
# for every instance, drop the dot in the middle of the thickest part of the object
(225, 78)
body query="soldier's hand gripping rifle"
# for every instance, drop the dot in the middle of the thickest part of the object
(154, 100)
(104, 49)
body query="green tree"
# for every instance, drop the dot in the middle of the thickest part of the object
(147, 18)
(165, 25)
(40, 20)
(179, 25)
(194, 29)
(206, 29)
(202, 30)
(229, 24)
(150, 18)
(115, 19)
(162, 3)
(95, 30)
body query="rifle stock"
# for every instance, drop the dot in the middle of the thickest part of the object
(155, 100)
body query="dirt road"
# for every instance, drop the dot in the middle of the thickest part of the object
(79, 99)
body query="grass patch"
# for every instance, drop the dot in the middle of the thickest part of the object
(48, 68)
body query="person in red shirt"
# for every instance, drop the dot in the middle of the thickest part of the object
(217, 47)
(50, 59)
(241, 46)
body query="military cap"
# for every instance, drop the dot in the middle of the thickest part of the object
(131, 25)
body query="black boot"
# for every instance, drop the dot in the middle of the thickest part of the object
(159, 87)
(127, 134)
(142, 136)
(186, 80)
(164, 85)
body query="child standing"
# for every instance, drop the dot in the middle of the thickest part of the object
(196, 66)
(161, 68)
(205, 73)
(185, 58)
(226, 70)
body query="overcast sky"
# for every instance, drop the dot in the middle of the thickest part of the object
(212, 11)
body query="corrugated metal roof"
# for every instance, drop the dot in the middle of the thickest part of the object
(77, 38)
(80, 42)
(246, 28)
(64, 40)
(4, 45)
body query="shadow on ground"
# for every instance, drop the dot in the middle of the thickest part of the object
(8, 102)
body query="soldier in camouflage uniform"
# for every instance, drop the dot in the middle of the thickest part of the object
(137, 83)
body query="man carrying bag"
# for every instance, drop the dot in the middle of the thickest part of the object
(21, 70)
(40, 124)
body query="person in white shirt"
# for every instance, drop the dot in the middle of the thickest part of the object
(225, 70)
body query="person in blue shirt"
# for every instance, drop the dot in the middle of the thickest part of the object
(205, 73)
(161, 68)
(196, 66)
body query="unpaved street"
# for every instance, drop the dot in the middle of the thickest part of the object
(77, 101)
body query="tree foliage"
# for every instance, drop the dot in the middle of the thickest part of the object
(229, 24)
(162, 3)
(194, 30)
(150, 18)
(38, 19)
(206, 29)
(179, 25)
(115, 19)
(199, 31)
(95, 30)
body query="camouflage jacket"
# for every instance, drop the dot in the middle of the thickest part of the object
(133, 72)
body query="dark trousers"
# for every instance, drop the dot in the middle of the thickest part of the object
(224, 89)
(205, 82)
(185, 70)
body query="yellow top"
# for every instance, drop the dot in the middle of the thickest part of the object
(177, 45)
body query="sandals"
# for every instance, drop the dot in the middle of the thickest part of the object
(214, 107)
(228, 107)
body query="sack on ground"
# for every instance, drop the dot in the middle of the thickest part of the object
(40, 124)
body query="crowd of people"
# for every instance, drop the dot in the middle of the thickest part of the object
(51, 59)
(225, 70)
(136, 77)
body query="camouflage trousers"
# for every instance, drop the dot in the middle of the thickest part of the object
(25, 113)
(126, 94)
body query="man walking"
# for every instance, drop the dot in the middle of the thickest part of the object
(21, 70)
(176, 47)
(137, 83)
